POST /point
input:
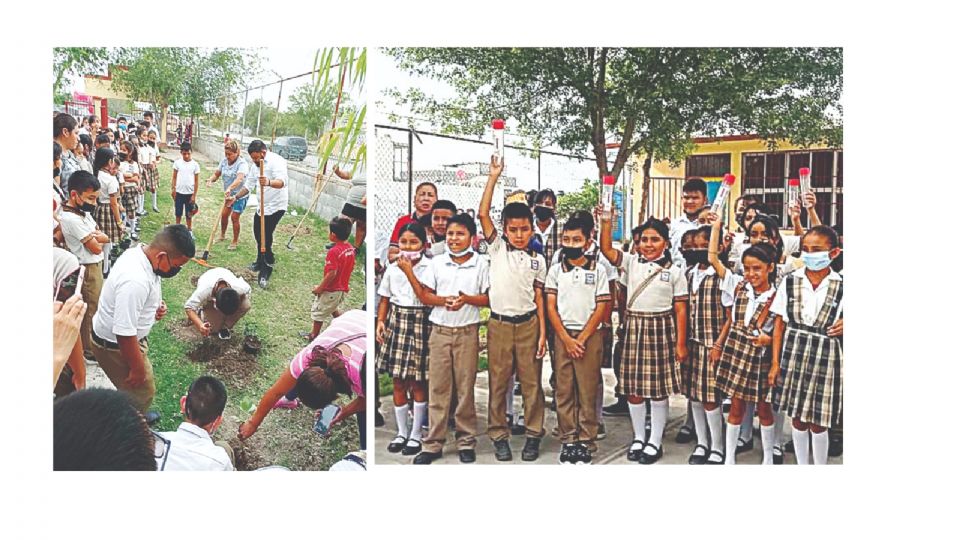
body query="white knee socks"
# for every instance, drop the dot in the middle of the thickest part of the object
(715, 420)
(419, 414)
(699, 422)
(821, 446)
(401, 414)
(730, 455)
(801, 446)
(638, 415)
(140, 202)
(767, 439)
(658, 420)
(746, 427)
(155, 201)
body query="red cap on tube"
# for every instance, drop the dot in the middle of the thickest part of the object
(729, 179)
(609, 180)
(804, 171)
(498, 124)
(794, 182)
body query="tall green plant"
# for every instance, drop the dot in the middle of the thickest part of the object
(345, 141)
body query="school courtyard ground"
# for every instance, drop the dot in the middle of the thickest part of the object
(612, 449)
(179, 354)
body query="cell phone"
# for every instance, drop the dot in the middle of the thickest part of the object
(76, 290)
(327, 414)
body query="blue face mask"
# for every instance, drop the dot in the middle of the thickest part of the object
(816, 261)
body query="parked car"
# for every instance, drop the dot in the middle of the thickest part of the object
(290, 147)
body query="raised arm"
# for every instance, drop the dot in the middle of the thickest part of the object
(713, 250)
(606, 241)
(486, 223)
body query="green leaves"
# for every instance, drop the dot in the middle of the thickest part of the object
(347, 139)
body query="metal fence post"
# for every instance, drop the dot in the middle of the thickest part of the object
(409, 171)
(243, 113)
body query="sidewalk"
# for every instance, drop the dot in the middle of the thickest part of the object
(613, 449)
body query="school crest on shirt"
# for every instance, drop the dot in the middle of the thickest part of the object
(590, 278)
(665, 276)
(534, 264)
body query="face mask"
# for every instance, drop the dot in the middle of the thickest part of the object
(56, 172)
(572, 253)
(151, 143)
(695, 256)
(413, 256)
(816, 261)
(174, 270)
(459, 253)
(123, 156)
(85, 206)
(543, 213)
(122, 128)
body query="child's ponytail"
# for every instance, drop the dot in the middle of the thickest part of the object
(325, 379)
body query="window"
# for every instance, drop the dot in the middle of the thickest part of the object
(766, 175)
(708, 165)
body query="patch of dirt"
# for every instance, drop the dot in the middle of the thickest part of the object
(226, 359)
(245, 274)
(194, 280)
(287, 229)
(184, 330)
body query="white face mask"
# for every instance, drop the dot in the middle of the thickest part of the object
(460, 253)
(413, 256)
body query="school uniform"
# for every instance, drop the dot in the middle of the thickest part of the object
(649, 367)
(77, 227)
(743, 367)
(454, 347)
(550, 240)
(405, 353)
(130, 191)
(678, 227)
(106, 221)
(706, 318)
(512, 333)
(578, 290)
(147, 156)
(811, 364)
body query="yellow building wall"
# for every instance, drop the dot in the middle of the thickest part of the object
(736, 149)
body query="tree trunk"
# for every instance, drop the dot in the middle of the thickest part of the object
(645, 190)
(163, 124)
(599, 140)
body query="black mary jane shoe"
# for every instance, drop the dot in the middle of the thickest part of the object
(684, 435)
(744, 446)
(379, 421)
(411, 448)
(467, 455)
(634, 454)
(396, 444)
(648, 459)
(788, 447)
(712, 452)
(701, 459)
(426, 458)
(777, 457)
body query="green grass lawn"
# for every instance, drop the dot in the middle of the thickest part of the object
(179, 354)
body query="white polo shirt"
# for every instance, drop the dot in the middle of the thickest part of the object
(592, 251)
(192, 449)
(515, 275)
(659, 294)
(578, 291)
(448, 278)
(129, 299)
(677, 227)
(76, 231)
(108, 186)
(128, 167)
(274, 199)
(396, 286)
(754, 302)
(146, 154)
(811, 299)
(208, 280)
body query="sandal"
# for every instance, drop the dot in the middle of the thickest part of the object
(717, 453)
(698, 459)
(634, 454)
(232, 247)
(397, 444)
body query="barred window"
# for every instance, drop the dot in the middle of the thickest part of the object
(708, 165)
(765, 175)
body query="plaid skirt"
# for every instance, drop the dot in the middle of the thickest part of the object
(649, 367)
(150, 178)
(106, 223)
(743, 368)
(699, 374)
(128, 199)
(404, 355)
(812, 370)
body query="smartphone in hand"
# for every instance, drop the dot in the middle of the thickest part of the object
(327, 414)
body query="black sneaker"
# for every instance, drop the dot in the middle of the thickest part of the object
(224, 334)
(566, 454)
(254, 266)
(620, 408)
(502, 450)
(581, 454)
(531, 449)
(836, 445)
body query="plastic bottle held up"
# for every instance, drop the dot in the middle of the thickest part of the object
(606, 196)
(805, 180)
(723, 194)
(498, 126)
(793, 191)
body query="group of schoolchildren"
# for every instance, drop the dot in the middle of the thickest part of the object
(721, 317)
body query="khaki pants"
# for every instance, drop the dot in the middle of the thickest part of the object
(92, 285)
(117, 371)
(576, 392)
(229, 449)
(513, 347)
(324, 304)
(218, 320)
(453, 363)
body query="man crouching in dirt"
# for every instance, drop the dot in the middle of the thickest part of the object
(191, 446)
(220, 300)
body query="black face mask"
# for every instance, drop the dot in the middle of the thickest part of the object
(123, 156)
(85, 206)
(543, 213)
(695, 256)
(572, 253)
(174, 270)
(151, 143)
(56, 172)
